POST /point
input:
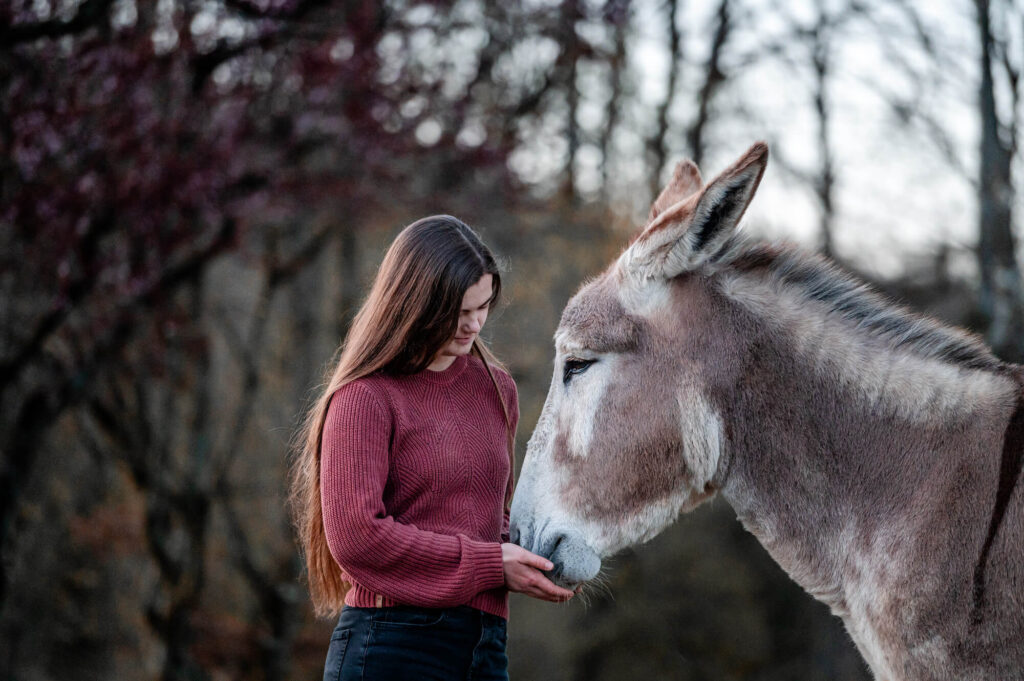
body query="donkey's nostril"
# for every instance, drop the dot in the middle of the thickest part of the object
(550, 546)
(513, 534)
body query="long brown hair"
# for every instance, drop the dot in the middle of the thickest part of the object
(411, 312)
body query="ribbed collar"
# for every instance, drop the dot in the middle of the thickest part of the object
(447, 375)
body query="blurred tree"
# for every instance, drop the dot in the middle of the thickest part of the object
(142, 141)
(822, 58)
(108, 211)
(816, 41)
(616, 17)
(658, 145)
(1002, 290)
(566, 72)
(713, 77)
(932, 62)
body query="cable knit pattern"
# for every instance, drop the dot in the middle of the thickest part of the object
(414, 473)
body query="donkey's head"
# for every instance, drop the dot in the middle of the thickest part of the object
(629, 437)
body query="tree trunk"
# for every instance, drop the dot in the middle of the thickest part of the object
(713, 78)
(616, 13)
(658, 145)
(1000, 296)
(569, 59)
(822, 58)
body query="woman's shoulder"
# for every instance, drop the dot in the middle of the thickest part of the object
(364, 392)
(501, 374)
(504, 377)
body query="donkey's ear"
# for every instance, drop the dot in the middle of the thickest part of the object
(692, 232)
(686, 181)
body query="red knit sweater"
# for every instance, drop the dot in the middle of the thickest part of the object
(414, 472)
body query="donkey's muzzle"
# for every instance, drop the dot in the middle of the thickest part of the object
(574, 561)
(540, 526)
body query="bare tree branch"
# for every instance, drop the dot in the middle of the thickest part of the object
(713, 79)
(658, 143)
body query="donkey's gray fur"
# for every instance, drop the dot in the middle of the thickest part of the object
(819, 280)
(864, 445)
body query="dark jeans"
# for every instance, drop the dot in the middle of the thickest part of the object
(381, 644)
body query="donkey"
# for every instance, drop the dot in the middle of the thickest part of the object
(872, 451)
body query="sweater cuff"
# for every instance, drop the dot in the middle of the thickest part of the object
(489, 573)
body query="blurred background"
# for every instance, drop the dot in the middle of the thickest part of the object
(195, 194)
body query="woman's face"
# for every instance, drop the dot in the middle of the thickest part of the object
(475, 304)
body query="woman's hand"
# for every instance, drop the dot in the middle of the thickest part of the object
(523, 574)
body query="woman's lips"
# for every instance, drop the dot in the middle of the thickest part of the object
(463, 340)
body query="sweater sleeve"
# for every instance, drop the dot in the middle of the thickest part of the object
(506, 531)
(399, 561)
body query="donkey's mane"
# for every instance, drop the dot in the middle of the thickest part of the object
(817, 279)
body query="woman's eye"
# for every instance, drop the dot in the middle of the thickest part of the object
(574, 366)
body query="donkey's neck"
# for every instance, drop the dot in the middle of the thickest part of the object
(834, 434)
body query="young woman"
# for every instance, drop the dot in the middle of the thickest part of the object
(403, 483)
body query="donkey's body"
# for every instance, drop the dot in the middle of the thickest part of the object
(862, 445)
(870, 472)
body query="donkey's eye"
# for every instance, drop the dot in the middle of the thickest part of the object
(573, 366)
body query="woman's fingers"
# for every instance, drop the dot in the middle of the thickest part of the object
(539, 562)
(534, 583)
(542, 587)
(518, 553)
(552, 590)
(524, 572)
(545, 594)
